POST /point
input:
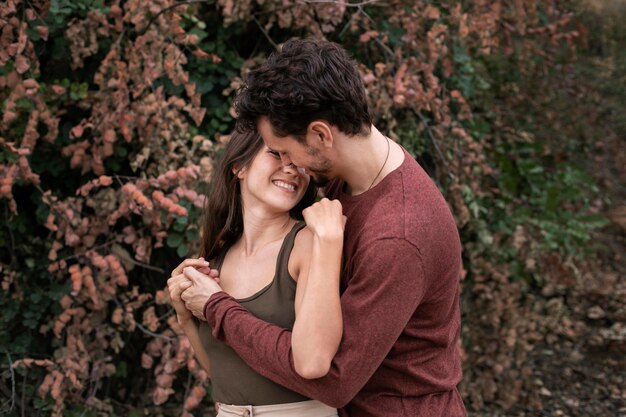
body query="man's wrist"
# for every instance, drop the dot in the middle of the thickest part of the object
(209, 310)
(206, 310)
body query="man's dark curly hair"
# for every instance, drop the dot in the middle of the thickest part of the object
(305, 80)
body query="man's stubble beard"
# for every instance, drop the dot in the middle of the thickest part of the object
(320, 181)
(319, 173)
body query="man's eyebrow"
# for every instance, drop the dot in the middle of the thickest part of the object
(275, 150)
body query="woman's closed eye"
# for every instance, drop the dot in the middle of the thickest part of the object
(274, 153)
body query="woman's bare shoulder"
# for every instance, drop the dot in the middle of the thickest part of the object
(304, 237)
(301, 253)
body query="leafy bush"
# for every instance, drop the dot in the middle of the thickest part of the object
(112, 114)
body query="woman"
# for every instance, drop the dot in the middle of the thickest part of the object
(277, 268)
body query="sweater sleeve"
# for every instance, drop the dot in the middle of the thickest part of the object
(380, 298)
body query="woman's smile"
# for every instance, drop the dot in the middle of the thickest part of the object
(287, 186)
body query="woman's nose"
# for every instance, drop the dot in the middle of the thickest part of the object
(290, 168)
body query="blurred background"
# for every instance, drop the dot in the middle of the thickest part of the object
(112, 113)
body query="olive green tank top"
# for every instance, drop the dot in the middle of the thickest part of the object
(233, 381)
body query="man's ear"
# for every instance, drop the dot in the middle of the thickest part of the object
(320, 134)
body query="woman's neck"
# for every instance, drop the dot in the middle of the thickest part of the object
(260, 230)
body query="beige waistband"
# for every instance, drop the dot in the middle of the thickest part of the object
(310, 408)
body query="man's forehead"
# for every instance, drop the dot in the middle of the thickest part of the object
(263, 125)
(272, 143)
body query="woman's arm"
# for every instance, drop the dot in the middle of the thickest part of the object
(318, 327)
(188, 323)
(190, 327)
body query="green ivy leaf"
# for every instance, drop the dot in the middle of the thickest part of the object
(174, 240)
(191, 234)
(182, 250)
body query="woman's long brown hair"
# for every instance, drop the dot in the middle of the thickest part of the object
(222, 219)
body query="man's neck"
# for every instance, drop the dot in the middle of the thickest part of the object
(365, 161)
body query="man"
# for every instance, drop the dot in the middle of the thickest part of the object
(400, 279)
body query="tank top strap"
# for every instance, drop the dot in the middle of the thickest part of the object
(282, 263)
(219, 260)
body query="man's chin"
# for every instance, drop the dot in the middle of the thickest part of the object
(320, 181)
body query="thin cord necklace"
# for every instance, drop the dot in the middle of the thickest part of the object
(381, 168)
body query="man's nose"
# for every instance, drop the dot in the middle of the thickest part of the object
(286, 161)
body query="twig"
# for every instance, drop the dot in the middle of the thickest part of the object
(156, 132)
(272, 11)
(119, 38)
(117, 178)
(93, 382)
(129, 259)
(382, 45)
(340, 3)
(6, 217)
(24, 392)
(12, 379)
(187, 389)
(347, 25)
(104, 245)
(139, 325)
(126, 177)
(148, 332)
(7, 394)
(168, 8)
(430, 134)
(267, 36)
(124, 257)
(171, 312)
(141, 264)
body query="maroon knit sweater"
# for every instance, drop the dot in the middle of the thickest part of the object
(399, 355)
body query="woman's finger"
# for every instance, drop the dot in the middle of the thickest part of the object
(175, 292)
(195, 262)
(176, 285)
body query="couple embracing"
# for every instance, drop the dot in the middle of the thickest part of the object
(346, 306)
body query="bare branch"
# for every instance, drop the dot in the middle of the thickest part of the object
(342, 3)
(12, 238)
(347, 25)
(148, 332)
(12, 379)
(140, 326)
(267, 36)
(79, 255)
(180, 3)
(24, 393)
(141, 264)
(187, 387)
(430, 135)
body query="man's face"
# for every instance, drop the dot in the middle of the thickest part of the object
(303, 156)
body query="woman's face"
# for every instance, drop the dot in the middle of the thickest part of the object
(268, 184)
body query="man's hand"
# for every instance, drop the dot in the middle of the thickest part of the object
(174, 286)
(199, 288)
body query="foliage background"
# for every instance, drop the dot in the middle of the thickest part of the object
(113, 112)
